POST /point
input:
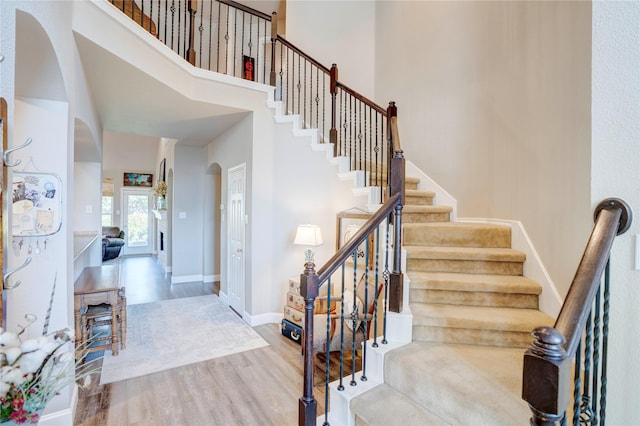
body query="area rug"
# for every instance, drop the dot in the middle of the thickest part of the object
(172, 333)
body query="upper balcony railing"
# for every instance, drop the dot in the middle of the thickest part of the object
(230, 38)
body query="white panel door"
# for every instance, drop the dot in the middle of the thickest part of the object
(236, 237)
(137, 221)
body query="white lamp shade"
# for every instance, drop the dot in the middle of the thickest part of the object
(308, 235)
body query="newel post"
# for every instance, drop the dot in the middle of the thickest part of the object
(396, 185)
(274, 37)
(333, 88)
(546, 377)
(191, 53)
(307, 404)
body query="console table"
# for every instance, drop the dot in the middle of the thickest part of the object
(97, 285)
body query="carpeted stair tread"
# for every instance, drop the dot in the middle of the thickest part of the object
(465, 253)
(461, 384)
(474, 282)
(457, 234)
(417, 208)
(478, 317)
(384, 406)
(416, 196)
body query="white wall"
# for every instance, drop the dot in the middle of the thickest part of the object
(615, 173)
(340, 32)
(188, 190)
(493, 104)
(86, 196)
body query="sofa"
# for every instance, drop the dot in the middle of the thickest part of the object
(112, 242)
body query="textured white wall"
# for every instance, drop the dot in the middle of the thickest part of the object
(340, 32)
(616, 173)
(493, 101)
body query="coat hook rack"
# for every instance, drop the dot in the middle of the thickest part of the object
(5, 156)
(13, 271)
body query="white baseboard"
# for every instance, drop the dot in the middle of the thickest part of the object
(268, 318)
(185, 278)
(64, 416)
(211, 278)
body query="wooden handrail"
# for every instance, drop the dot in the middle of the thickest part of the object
(304, 55)
(244, 8)
(548, 361)
(573, 315)
(362, 98)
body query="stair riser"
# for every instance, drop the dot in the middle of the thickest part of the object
(425, 217)
(468, 298)
(464, 266)
(512, 339)
(438, 236)
(418, 200)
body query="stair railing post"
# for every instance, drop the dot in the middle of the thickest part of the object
(307, 404)
(191, 53)
(333, 87)
(274, 37)
(396, 185)
(546, 377)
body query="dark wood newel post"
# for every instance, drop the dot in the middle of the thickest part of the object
(191, 53)
(396, 185)
(333, 87)
(546, 377)
(274, 37)
(307, 404)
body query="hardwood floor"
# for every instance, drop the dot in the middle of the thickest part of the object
(258, 387)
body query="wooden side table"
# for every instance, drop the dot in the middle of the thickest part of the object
(97, 285)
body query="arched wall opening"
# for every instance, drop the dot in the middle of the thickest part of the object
(212, 221)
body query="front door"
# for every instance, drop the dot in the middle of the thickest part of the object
(137, 221)
(235, 238)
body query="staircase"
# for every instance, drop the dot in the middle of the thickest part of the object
(473, 313)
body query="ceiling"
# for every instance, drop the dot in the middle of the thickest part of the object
(130, 101)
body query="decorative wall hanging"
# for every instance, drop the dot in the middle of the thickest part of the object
(138, 179)
(36, 204)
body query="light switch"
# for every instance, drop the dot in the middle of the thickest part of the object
(182, 215)
(88, 209)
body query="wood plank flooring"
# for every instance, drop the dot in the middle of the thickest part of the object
(258, 387)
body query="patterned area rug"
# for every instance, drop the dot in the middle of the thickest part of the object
(172, 333)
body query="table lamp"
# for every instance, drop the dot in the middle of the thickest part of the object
(310, 236)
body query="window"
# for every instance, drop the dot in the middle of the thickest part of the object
(107, 211)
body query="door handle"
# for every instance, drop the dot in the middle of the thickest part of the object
(239, 250)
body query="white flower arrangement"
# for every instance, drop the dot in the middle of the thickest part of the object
(160, 188)
(34, 371)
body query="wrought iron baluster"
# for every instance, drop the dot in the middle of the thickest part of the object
(576, 386)
(173, 15)
(281, 60)
(596, 357)
(327, 354)
(605, 346)
(324, 128)
(354, 318)
(386, 274)
(365, 311)
(211, 33)
(235, 40)
(340, 384)
(585, 406)
(299, 84)
(242, 43)
(201, 31)
(377, 284)
(304, 96)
